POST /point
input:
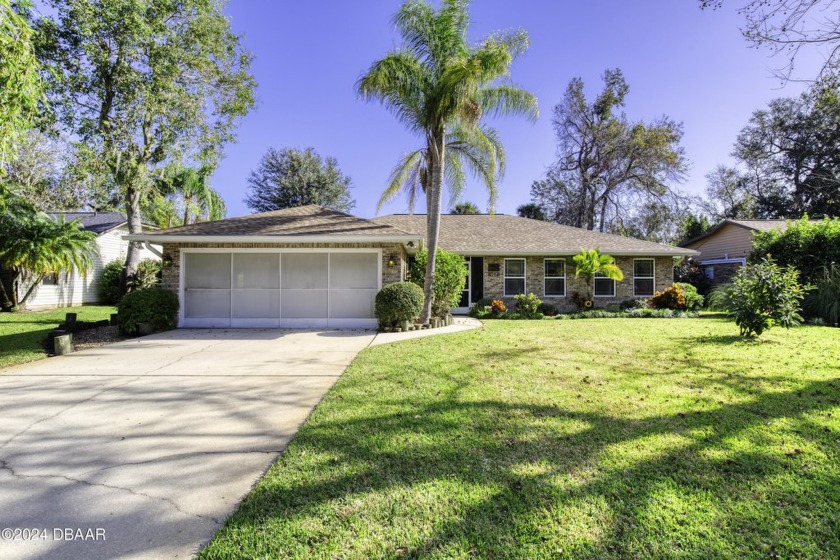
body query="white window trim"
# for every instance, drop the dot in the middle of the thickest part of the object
(545, 294)
(524, 276)
(652, 277)
(595, 279)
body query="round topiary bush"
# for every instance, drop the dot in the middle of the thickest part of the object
(155, 306)
(108, 285)
(401, 301)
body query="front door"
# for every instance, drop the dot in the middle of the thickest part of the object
(473, 289)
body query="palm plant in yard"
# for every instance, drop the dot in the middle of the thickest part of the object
(186, 189)
(440, 86)
(36, 247)
(592, 263)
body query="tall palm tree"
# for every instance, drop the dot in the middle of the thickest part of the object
(37, 246)
(438, 82)
(189, 189)
(593, 262)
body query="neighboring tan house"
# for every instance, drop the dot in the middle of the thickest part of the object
(725, 248)
(315, 267)
(78, 289)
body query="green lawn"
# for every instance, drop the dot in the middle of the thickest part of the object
(22, 334)
(622, 438)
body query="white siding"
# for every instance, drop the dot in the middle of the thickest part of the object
(75, 289)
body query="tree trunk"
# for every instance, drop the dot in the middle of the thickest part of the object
(28, 293)
(135, 225)
(6, 302)
(436, 159)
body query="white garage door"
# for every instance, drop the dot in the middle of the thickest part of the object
(279, 289)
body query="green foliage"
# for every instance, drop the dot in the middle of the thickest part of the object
(582, 301)
(633, 304)
(450, 273)
(689, 271)
(466, 208)
(672, 297)
(532, 211)
(155, 306)
(766, 294)
(592, 262)
(147, 274)
(21, 87)
(692, 226)
(721, 297)
(182, 195)
(824, 302)
(548, 309)
(809, 247)
(693, 299)
(108, 286)
(634, 313)
(290, 177)
(528, 305)
(481, 308)
(401, 301)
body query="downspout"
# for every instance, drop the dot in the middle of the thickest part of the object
(152, 249)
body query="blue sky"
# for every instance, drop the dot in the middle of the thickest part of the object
(690, 64)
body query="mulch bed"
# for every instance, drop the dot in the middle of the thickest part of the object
(100, 336)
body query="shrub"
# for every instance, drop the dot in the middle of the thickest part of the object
(155, 306)
(720, 298)
(670, 298)
(450, 274)
(108, 286)
(808, 247)
(633, 304)
(693, 300)
(581, 301)
(527, 305)
(497, 307)
(765, 294)
(148, 274)
(481, 308)
(824, 303)
(548, 309)
(401, 301)
(630, 313)
(689, 271)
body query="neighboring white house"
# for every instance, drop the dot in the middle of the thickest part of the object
(76, 289)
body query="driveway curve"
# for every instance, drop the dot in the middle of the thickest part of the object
(141, 449)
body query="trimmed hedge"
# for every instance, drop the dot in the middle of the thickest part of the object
(155, 306)
(401, 301)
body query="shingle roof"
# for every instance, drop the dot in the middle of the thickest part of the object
(502, 234)
(97, 222)
(755, 225)
(301, 221)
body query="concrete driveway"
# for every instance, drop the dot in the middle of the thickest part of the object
(146, 446)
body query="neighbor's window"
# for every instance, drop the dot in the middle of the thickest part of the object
(604, 287)
(555, 277)
(514, 277)
(643, 282)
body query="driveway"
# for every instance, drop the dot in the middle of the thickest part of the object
(146, 446)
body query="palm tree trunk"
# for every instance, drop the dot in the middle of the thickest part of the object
(135, 225)
(28, 293)
(5, 301)
(436, 151)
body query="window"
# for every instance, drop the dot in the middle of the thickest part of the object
(643, 277)
(604, 287)
(555, 277)
(514, 277)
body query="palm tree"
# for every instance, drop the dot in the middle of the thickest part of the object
(37, 246)
(437, 85)
(189, 189)
(591, 263)
(465, 208)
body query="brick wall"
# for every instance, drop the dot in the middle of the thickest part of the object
(390, 274)
(534, 280)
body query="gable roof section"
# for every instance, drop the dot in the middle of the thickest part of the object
(302, 224)
(501, 234)
(753, 225)
(97, 222)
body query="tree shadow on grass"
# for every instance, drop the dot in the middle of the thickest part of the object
(552, 482)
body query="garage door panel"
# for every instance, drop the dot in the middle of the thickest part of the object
(351, 304)
(256, 270)
(256, 303)
(301, 304)
(304, 271)
(207, 303)
(207, 270)
(354, 270)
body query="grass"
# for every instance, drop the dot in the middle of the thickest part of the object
(22, 334)
(638, 438)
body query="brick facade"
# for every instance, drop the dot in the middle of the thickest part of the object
(535, 280)
(390, 252)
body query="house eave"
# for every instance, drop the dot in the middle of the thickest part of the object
(503, 253)
(316, 238)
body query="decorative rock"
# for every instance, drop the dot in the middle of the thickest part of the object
(62, 343)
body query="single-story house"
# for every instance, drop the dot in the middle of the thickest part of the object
(77, 289)
(315, 267)
(725, 248)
